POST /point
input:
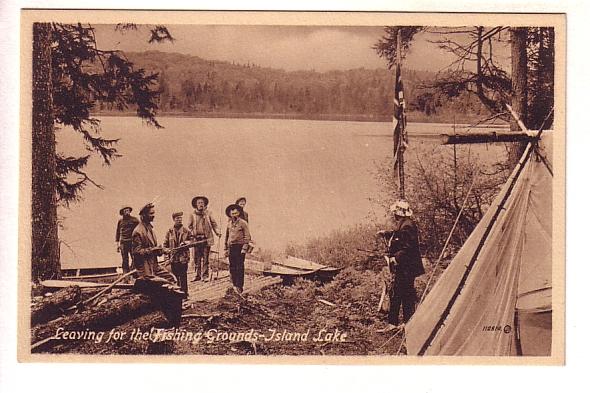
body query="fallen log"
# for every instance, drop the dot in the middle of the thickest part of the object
(115, 312)
(53, 306)
(486, 137)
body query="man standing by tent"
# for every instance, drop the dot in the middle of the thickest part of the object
(125, 228)
(202, 226)
(405, 262)
(153, 279)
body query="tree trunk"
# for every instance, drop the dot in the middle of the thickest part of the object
(45, 244)
(518, 39)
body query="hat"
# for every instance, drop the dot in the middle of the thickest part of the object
(146, 207)
(123, 208)
(232, 207)
(176, 214)
(240, 199)
(401, 208)
(195, 199)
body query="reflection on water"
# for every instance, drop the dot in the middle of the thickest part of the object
(301, 178)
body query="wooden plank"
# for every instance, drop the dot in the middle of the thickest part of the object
(217, 291)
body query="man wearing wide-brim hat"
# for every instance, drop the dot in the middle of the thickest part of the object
(405, 261)
(242, 202)
(125, 227)
(203, 227)
(154, 279)
(237, 240)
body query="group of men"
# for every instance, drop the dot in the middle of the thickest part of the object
(137, 243)
(136, 239)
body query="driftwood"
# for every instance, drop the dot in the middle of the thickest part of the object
(54, 305)
(207, 316)
(108, 288)
(115, 312)
(326, 302)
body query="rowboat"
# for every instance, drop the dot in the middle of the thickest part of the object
(289, 268)
(255, 267)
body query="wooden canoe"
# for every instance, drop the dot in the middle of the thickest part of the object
(92, 277)
(55, 284)
(252, 266)
(322, 271)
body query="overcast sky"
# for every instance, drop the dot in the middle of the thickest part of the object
(320, 48)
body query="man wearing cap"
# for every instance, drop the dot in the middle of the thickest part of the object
(202, 226)
(153, 279)
(125, 228)
(242, 202)
(405, 261)
(178, 236)
(237, 239)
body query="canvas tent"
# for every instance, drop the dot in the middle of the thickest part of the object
(495, 296)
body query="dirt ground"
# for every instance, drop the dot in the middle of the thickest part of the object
(306, 318)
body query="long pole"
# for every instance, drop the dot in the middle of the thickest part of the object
(402, 120)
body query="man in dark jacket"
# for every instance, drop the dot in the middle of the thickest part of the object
(237, 242)
(242, 202)
(125, 228)
(178, 236)
(405, 262)
(153, 279)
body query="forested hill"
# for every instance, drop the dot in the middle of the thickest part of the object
(191, 85)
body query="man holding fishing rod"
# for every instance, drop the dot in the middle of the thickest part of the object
(404, 261)
(153, 279)
(178, 236)
(203, 226)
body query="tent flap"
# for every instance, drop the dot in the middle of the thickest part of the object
(504, 266)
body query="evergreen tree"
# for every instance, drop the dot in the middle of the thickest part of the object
(71, 76)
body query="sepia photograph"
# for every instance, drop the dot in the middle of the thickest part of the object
(317, 187)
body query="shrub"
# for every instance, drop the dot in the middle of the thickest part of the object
(436, 188)
(341, 248)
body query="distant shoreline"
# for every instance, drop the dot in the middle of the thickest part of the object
(412, 117)
(258, 115)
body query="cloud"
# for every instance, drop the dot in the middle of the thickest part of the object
(287, 47)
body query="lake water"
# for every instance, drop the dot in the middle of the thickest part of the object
(302, 178)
